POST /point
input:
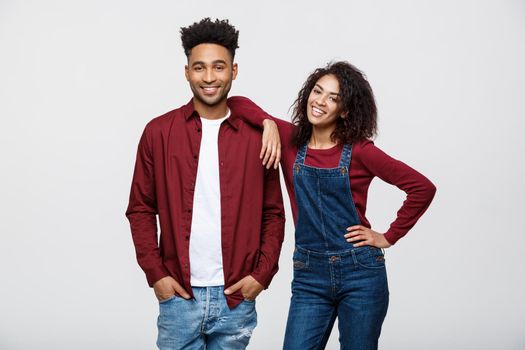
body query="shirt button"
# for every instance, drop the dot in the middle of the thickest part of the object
(187, 237)
(333, 258)
(194, 156)
(189, 210)
(198, 129)
(222, 163)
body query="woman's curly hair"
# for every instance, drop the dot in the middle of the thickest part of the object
(210, 32)
(356, 100)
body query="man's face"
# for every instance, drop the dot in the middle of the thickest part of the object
(210, 72)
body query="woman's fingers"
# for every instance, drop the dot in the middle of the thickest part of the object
(278, 158)
(271, 155)
(271, 160)
(356, 230)
(271, 145)
(359, 234)
(362, 243)
(263, 148)
(359, 237)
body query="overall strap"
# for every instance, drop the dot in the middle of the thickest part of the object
(346, 156)
(301, 155)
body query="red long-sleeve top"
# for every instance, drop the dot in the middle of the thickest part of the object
(367, 162)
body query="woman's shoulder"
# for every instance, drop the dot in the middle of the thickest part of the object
(363, 146)
(368, 154)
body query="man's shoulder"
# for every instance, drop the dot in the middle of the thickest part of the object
(166, 120)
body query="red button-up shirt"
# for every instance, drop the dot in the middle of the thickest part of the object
(252, 213)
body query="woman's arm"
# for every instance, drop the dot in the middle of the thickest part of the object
(277, 133)
(419, 190)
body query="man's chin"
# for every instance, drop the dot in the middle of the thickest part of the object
(210, 102)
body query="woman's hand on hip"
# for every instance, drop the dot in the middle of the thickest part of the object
(365, 236)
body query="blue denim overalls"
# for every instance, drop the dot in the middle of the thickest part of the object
(331, 277)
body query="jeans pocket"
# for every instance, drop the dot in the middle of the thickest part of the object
(168, 299)
(373, 258)
(300, 260)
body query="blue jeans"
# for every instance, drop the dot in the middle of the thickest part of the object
(205, 322)
(351, 286)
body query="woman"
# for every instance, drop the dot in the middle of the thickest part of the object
(328, 163)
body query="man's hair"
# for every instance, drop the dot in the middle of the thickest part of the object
(206, 31)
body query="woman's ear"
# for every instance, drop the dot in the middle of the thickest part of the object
(344, 115)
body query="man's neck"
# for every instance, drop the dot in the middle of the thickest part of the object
(217, 111)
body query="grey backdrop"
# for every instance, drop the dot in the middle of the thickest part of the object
(80, 79)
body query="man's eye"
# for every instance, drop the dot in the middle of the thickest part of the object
(198, 68)
(219, 68)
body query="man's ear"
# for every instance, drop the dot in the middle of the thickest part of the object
(186, 72)
(235, 69)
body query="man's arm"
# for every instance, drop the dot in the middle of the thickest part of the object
(272, 229)
(142, 216)
(142, 213)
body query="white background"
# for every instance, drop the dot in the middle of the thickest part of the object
(80, 79)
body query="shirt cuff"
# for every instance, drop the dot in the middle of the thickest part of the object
(262, 278)
(391, 237)
(155, 274)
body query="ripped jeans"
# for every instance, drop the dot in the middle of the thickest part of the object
(205, 322)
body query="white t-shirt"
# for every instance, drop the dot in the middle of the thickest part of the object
(205, 238)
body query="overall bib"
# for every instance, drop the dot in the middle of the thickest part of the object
(331, 277)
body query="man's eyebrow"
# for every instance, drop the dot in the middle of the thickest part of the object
(204, 63)
(331, 93)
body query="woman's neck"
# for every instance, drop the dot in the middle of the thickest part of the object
(321, 139)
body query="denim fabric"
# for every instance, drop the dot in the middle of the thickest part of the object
(332, 279)
(324, 203)
(351, 286)
(205, 322)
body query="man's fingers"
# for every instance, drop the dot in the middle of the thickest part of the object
(234, 288)
(181, 291)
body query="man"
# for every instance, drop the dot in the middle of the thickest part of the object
(221, 213)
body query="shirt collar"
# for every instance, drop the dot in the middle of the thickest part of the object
(233, 120)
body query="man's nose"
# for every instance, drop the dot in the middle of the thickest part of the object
(209, 76)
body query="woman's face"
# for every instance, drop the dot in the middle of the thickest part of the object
(324, 105)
